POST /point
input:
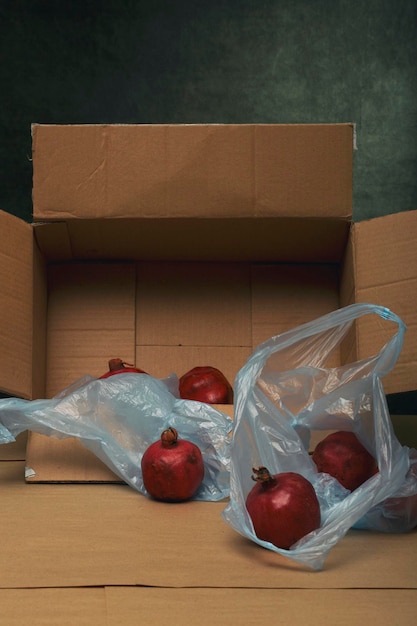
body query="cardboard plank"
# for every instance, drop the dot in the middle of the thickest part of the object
(129, 606)
(97, 535)
(227, 607)
(39, 607)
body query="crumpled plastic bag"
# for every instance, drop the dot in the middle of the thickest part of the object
(284, 392)
(398, 513)
(117, 418)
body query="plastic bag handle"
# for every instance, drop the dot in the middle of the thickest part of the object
(388, 354)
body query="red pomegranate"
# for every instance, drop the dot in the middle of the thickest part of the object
(117, 366)
(206, 384)
(283, 507)
(172, 468)
(343, 456)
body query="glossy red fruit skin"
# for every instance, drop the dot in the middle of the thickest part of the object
(172, 468)
(283, 508)
(206, 384)
(117, 366)
(343, 456)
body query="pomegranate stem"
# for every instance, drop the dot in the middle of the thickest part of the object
(261, 475)
(169, 436)
(117, 364)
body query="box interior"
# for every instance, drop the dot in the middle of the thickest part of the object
(170, 315)
(165, 316)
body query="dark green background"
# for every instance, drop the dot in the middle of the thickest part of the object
(154, 61)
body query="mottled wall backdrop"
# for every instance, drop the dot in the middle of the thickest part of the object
(155, 61)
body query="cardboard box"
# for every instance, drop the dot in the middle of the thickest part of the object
(173, 246)
(170, 246)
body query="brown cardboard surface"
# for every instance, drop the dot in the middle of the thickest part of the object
(98, 535)
(347, 294)
(283, 239)
(91, 318)
(165, 360)
(63, 460)
(40, 320)
(41, 607)
(15, 451)
(194, 304)
(215, 170)
(16, 271)
(285, 296)
(54, 241)
(130, 606)
(386, 264)
(251, 607)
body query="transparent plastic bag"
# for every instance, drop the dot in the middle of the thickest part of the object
(398, 513)
(284, 392)
(117, 418)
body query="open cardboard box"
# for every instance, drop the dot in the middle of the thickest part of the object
(175, 246)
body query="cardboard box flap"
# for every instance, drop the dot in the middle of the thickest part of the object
(386, 274)
(208, 170)
(16, 306)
